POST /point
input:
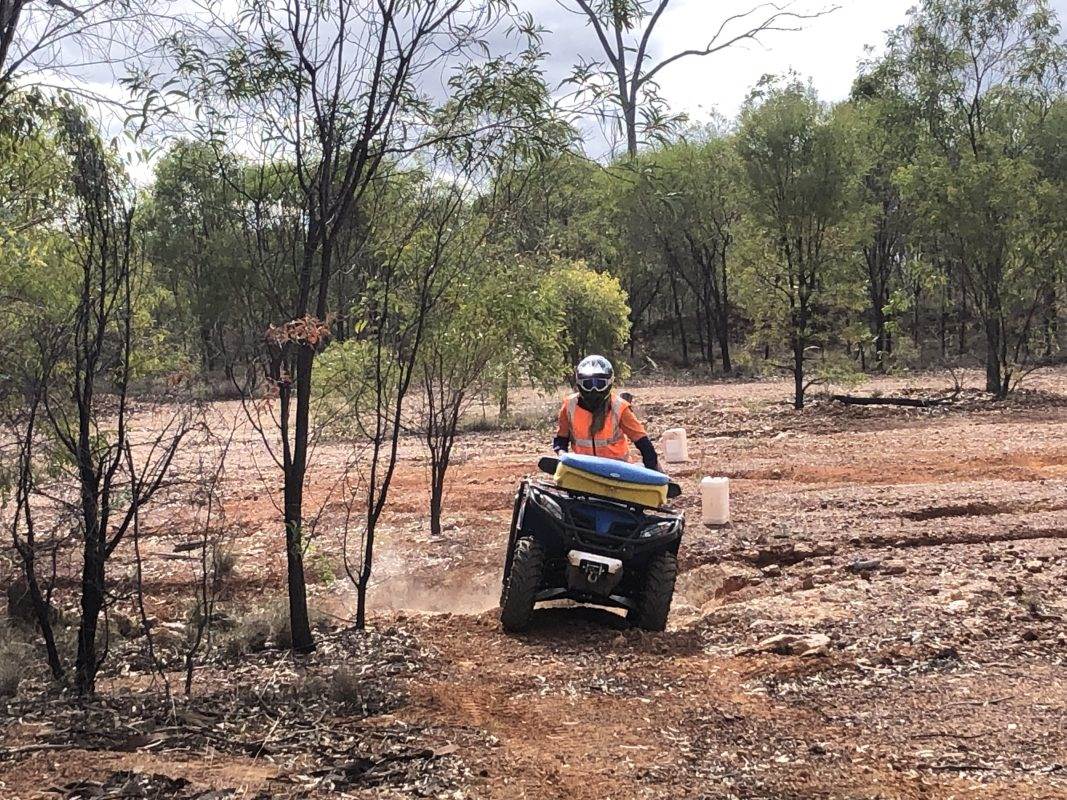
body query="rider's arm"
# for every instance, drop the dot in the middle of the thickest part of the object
(648, 453)
(633, 428)
(562, 441)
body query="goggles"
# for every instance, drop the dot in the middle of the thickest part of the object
(595, 384)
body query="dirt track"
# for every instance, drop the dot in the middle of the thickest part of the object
(946, 676)
(929, 545)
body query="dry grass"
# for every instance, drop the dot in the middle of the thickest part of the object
(266, 626)
(251, 634)
(223, 564)
(16, 660)
(345, 686)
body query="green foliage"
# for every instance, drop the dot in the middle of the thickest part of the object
(683, 222)
(194, 242)
(349, 375)
(557, 202)
(802, 165)
(500, 320)
(595, 312)
(836, 369)
(988, 76)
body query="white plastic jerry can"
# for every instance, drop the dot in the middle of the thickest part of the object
(675, 447)
(715, 501)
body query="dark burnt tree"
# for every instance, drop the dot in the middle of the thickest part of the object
(79, 466)
(333, 98)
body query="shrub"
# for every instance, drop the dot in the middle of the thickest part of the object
(595, 310)
(250, 634)
(255, 631)
(15, 658)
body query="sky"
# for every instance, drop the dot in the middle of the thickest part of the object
(827, 50)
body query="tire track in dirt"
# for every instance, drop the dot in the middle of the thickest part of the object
(557, 740)
(695, 726)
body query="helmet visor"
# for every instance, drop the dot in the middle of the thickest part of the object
(594, 384)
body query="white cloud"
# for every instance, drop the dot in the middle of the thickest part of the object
(827, 50)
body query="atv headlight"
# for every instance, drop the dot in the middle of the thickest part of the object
(548, 503)
(659, 529)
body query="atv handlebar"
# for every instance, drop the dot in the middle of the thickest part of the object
(548, 465)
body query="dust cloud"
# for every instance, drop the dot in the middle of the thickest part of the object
(453, 594)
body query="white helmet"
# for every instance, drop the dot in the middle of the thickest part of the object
(594, 377)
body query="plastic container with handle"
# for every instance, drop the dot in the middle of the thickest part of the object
(715, 501)
(675, 446)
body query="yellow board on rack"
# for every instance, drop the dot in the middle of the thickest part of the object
(578, 480)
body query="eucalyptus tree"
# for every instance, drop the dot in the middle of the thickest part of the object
(881, 95)
(335, 97)
(986, 74)
(496, 320)
(34, 294)
(803, 166)
(193, 221)
(692, 205)
(80, 305)
(623, 82)
(1050, 157)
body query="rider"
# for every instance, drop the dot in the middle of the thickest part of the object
(597, 422)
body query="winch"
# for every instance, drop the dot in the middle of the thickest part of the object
(592, 573)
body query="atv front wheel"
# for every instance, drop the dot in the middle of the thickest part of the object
(520, 588)
(655, 601)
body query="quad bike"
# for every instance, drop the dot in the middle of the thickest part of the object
(597, 532)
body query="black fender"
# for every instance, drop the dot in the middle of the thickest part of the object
(513, 533)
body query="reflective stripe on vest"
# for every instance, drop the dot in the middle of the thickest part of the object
(617, 406)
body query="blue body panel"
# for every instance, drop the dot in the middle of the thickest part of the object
(616, 470)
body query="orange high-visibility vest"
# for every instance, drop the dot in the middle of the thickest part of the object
(609, 442)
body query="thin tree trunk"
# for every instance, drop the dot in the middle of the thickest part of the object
(1050, 328)
(630, 116)
(26, 547)
(706, 331)
(703, 342)
(724, 335)
(503, 410)
(206, 360)
(798, 372)
(993, 368)
(44, 622)
(943, 324)
(92, 602)
(361, 591)
(724, 352)
(724, 312)
(364, 577)
(961, 332)
(681, 322)
(294, 506)
(881, 345)
(437, 491)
